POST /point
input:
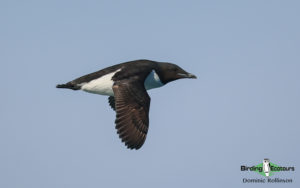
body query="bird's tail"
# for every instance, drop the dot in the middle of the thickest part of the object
(68, 85)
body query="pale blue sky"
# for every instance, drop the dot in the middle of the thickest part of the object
(243, 107)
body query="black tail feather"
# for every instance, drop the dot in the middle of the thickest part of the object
(68, 86)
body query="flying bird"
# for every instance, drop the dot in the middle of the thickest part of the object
(126, 84)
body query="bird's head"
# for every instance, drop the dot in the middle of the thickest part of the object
(169, 72)
(266, 161)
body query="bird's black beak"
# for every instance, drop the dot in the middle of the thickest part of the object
(187, 75)
(192, 76)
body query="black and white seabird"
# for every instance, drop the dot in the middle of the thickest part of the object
(126, 84)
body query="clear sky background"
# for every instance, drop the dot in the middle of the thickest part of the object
(243, 107)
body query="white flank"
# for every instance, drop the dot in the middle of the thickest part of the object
(101, 86)
(152, 81)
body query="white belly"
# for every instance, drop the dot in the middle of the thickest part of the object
(104, 84)
(266, 167)
(101, 86)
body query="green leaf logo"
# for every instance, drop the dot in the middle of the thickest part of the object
(273, 168)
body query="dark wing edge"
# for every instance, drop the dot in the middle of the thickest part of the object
(132, 104)
(111, 101)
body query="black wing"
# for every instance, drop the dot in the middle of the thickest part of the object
(111, 101)
(132, 104)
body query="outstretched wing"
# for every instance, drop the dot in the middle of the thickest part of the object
(132, 104)
(111, 101)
